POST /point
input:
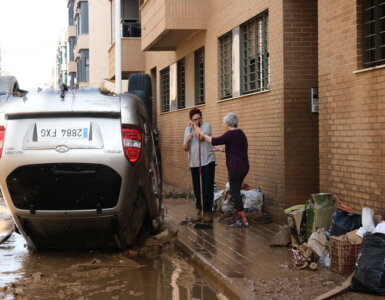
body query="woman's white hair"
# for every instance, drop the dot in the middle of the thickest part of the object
(231, 120)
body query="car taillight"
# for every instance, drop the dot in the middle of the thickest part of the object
(2, 136)
(132, 144)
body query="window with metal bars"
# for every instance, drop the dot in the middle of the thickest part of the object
(181, 84)
(254, 54)
(165, 89)
(225, 65)
(199, 60)
(373, 21)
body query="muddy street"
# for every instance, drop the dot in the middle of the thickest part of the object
(25, 274)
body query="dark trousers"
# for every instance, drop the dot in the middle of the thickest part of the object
(235, 181)
(208, 175)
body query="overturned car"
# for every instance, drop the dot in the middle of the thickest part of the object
(80, 169)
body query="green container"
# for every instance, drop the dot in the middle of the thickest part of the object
(309, 217)
(323, 210)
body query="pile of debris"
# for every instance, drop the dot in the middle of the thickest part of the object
(325, 232)
(252, 201)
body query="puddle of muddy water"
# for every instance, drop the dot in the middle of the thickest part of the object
(25, 274)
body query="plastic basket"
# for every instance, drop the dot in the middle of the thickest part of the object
(343, 255)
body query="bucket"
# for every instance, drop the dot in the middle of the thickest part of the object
(322, 198)
(323, 210)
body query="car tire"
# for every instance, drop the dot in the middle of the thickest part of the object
(8, 84)
(141, 82)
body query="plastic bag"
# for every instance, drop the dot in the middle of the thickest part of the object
(367, 221)
(343, 222)
(253, 200)
(369, 275)
(218, 195)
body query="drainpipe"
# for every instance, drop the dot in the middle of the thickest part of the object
(118, 50)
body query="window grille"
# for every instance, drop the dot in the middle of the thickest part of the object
(165, 89)
(373, 21)
(199, 59)
(181, 92)
(255, 55)
(225, 65)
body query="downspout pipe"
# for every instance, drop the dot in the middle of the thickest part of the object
(118, 49)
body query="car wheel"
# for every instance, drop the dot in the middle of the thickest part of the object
(140, 85)
(156, 183)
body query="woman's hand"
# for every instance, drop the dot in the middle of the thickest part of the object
(217, 149)
(198, 130)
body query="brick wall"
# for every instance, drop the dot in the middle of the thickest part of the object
(352, 111)
(300, 125)
(278, 123)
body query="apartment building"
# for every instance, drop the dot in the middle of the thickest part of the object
(257, 59)
(267, 61)
(88, 38)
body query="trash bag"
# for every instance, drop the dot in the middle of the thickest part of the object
(296, 218)
(367, 221)
(369, 275)
(343, 222)
(253, 200)
(218, 196)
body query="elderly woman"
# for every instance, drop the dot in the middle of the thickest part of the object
(237, 161)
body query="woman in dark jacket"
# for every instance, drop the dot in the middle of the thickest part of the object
(237, 161)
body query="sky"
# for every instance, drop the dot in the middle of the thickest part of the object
(30, 31)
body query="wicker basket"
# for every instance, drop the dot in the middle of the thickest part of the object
(343, 254)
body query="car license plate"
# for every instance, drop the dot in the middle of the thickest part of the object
(63, 131)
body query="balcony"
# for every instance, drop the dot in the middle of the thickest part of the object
(132, 58)
(71, 31)
(166, 23)
(82, 43)
(71, 67)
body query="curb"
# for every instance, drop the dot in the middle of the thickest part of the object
(219, 280)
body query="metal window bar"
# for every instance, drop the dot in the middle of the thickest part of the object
(373, 22)
(255, 55)
(225, 66)
(181, 84)
(165, 89)
(199, 58)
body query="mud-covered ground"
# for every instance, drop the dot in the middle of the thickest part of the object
(152, 272)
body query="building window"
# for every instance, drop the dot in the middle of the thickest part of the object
(82, 22)
(72, 43)
(225, 65)
(83, 66)
(373, 20)
(71, 13)
(181, 84)
(199, 60)
(254, 54)
(165, 89)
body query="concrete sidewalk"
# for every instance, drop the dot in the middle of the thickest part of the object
(240, 262)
